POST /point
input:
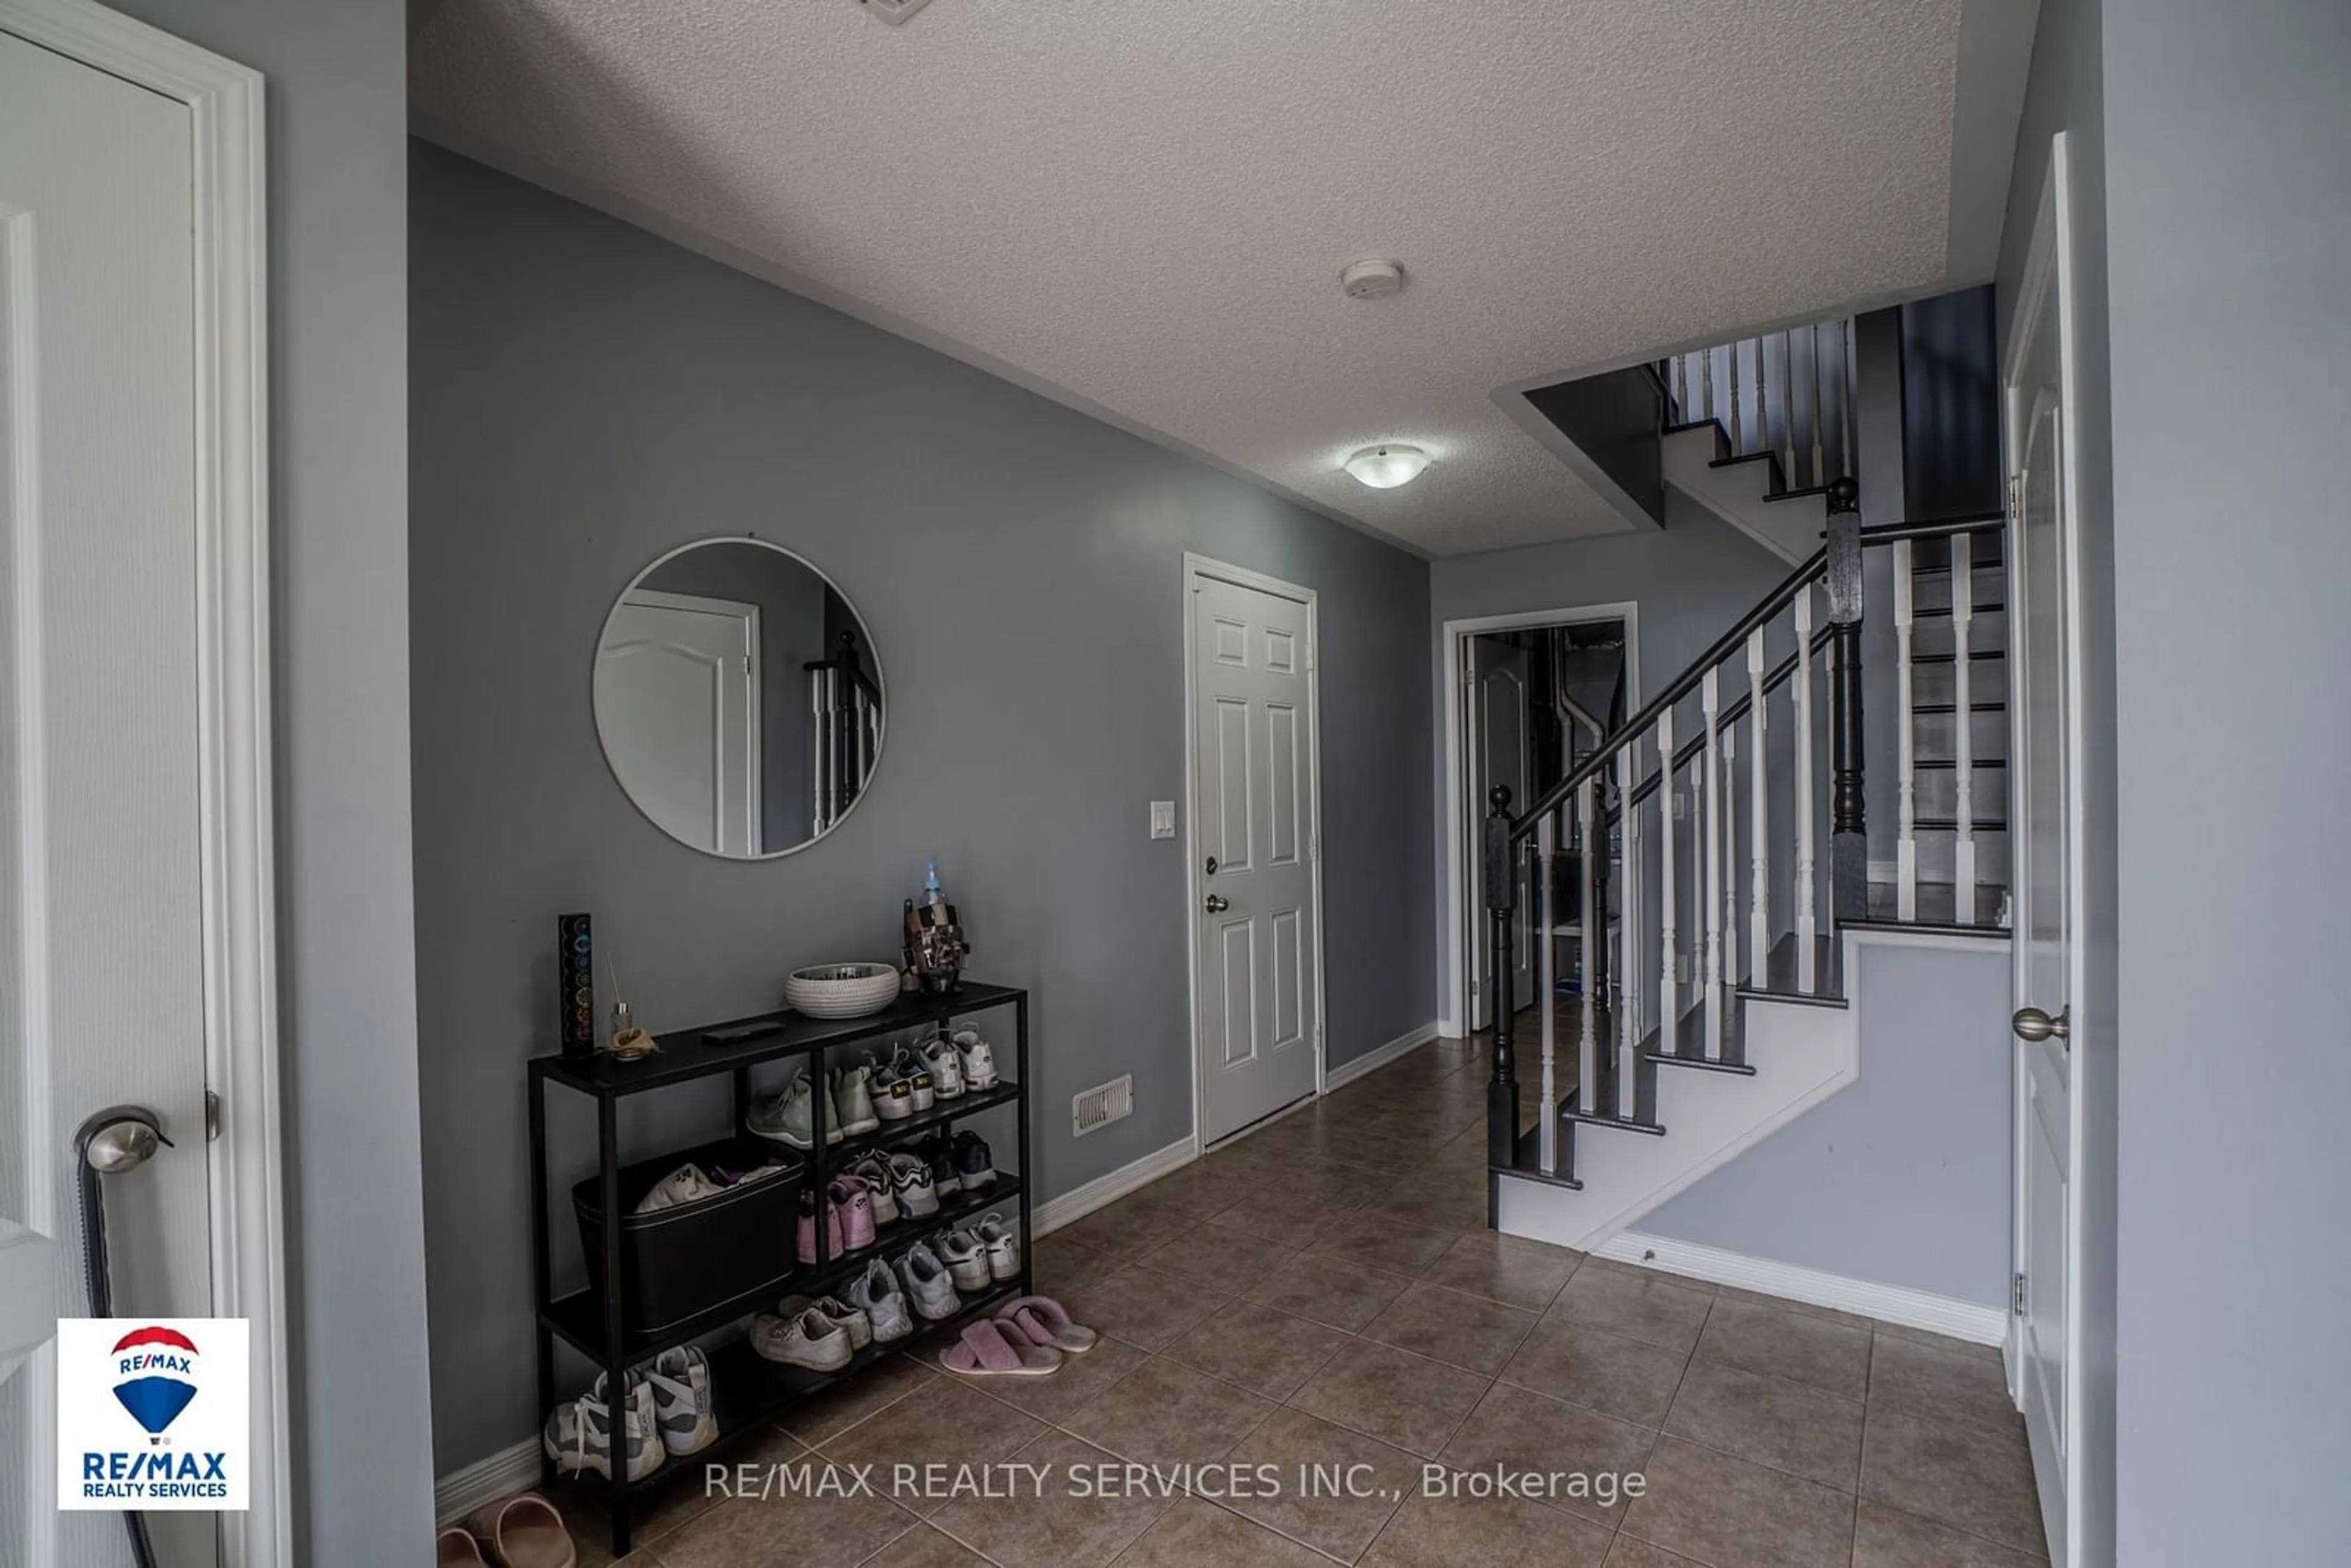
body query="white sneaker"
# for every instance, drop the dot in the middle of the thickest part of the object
(680, 1380)
(579, 1435)
(927, 1285)
(911, 1183)
(967, 1263)
(975, 1059)
(875, 1174)
(946, 1074)
(809, 1339)
(682, 1186)
(876, 1293)
(1003, 1250)
(840, 1313)
(905, 1068)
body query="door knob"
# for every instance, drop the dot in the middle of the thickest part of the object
(2032, 1024)
(1217, 903)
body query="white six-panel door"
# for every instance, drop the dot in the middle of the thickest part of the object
(2044, 748)
(1258, 938)
(101, 865)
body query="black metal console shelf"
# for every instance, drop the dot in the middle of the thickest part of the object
(747, 1392)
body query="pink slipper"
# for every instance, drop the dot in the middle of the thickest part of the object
(1043, 1320)
(986, 1351)
(523, 1532)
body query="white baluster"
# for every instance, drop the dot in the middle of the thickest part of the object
(1964, 851)
(1762, 401)
(1628, 920)
(1788, 404)
(1710, 705)
(1668, 940)
(1546, 857)
(1759, 920)
(1849, 468)
(1595, 895)
(1820, 473)
(1731, 857)
(1706, 382)
(1735, 444)
(1681, 386)
(1906, 840)
(1807, 926)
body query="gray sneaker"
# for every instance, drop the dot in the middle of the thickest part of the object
(790, 1117)
(876, 1293)
(875, 1173)
(853, 1101)
(967, 1261)
(679, 1379)
(927, 1284)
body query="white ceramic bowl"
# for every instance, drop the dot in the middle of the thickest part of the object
(843, 990)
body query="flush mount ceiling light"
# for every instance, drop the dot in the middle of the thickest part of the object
(1387, 465)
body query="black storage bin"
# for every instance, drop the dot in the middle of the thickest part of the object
(675, 1262)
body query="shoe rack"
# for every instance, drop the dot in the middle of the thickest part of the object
(749, 1393)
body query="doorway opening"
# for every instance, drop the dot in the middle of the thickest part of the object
(1528, 696)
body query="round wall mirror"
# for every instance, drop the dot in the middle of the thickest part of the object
(738, 698)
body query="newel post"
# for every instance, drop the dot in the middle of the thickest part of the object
(1501, 904)
(1848, 834)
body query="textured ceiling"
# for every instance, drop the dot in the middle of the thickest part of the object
(1140, 206)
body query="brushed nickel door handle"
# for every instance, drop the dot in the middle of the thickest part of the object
(1217, 903)
(2032, 1024)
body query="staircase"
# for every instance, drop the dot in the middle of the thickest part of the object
(1728, 866)
(1756, 431)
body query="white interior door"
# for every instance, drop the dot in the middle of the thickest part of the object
(102, 995)
(1498, 753)
(2048, 976)
(677, 705)
(1255, 836)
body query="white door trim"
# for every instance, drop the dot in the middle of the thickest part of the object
(2050, 282)
(1196, 567)
(235, 818)
(1453, 866)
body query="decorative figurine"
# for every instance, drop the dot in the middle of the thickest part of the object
(936, 948)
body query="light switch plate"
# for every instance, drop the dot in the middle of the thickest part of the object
(1162, 819)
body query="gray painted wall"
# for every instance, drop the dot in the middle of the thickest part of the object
(2227, 190)
(586, 396)
(339, 517)
(1902, 1178)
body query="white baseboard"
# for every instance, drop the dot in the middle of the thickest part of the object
(1373, 1060)
(1079, 1202)
(503, 1474)
(1887, 1303)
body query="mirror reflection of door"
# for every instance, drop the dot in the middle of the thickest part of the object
(677, 699)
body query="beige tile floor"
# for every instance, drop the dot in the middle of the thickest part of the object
(1325, 1291)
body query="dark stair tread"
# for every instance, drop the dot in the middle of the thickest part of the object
(1951, 764)
(1943, 611)
(1608, 1119)
(1799, 493)
(1938, 908)
(1951, 825)
(1954, 708)
(1978, 657)
(1526, 1160)
(1780, 974)
(1778, 484)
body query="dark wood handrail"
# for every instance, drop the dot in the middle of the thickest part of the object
(1779, 599)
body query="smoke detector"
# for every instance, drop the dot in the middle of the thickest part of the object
(1372, 280)
(893, 11)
